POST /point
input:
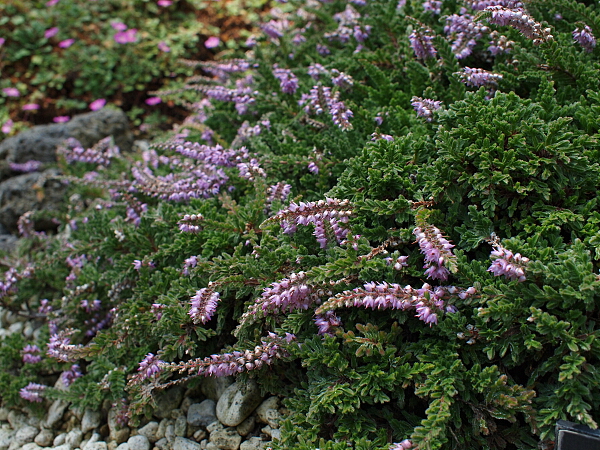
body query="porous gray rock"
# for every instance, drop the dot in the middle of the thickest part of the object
(60, 439)
(254, 443)
(180, 426)
(150, 431)
(202, 414)
(30, 192)
(138, 442)
(266, 405)
(237, 402)
(226, 439)
(44, 438)
(181, 443)
(6, 436)
(74, 438)
(24, 435)
(31, 446)
(246, 426)
(101, 445)
(39, 143)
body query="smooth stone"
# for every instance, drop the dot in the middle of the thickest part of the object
(213, 387)
(180, 426)
(138, 442)
(167, 401)
(237, 402)
(91, 441)
(44, 438)
(254, 443)
(62, 447)
(199, 435)
(112, 445)
(91, 420)
(216, 425)
(96, 446)
(3, 414)
(261, 410)
(202, 414)
(181, 443)
(170, 432)
(246, 426)
(60, 439)
(16, 420)
(150, 431)
(226, 439)
(123, 446)
(211, 446)
(74, 438)
(23, 436)
(15, 328)
(31, 446)
(273, 418)
(276, 435)
(185, 404)
(5, 438)
(55, 413)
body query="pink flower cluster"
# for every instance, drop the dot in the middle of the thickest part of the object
(203, 305)
(511, 265)
(31, 354)
(521, 21)
(425, 107)
(479, 77)
(437, 251)
(422, 43)
(326, 215)
(583, 36)
(33, 392)
(287, 80)
(70, 375)
(60, 347)
(321, 99)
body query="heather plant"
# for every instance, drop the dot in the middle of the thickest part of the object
(388, 218)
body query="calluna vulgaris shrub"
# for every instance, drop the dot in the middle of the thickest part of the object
(386, 212)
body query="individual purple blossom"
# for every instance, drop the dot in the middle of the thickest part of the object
(341, 79)
(164, 3)
(188, 264)
(511, 265)
(97, 104)
(378, 136)
(137, 264)
(499, 44)
(425, 107)
(70, 375)
(479, 77)
(315, 71)
(326, 323)
(274, 29)
(583, 36)
(2, 41)
(157, 309)
(153, 101)
(212, 42)
(126, 37)
(118, 25)
(61, 119)
(399, 262)
(203, 305)
(11, 92)
(50, 32)
(287, 80)
(279, 192)
(163, 47)
(30, 107)
(422, 43)
(313, 168)
(45, 307)
(323, 50)
(406, 444)
(33, 392)
(31, 354)
(66, 43)
(149, 367)
(437, 251)
(52, 2)
(7, 126)
(251, 169)
(361, 34)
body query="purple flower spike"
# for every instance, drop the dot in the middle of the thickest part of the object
(33, 392)
(422, 44)
(437, 251)
(511, 265)
(584, 37)
(425, 107)
(287, 80)
(203, 305)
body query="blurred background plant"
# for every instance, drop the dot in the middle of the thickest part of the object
(59, 57)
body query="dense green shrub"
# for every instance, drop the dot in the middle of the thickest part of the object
(204, 266)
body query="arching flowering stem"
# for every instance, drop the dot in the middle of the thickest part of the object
(326, 215)
(189, 223)
(520, 20)
(428, 302)
(149, 369)
(271, 348)
(60, 347)
(33, 392)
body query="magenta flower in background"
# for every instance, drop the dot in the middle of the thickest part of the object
(126, 37)
(66, 43)
(52, 2)
(118, 26)
(11, 92)
(164, 3)
(31, 107)
(50, 32)
(163, 47)
(212, 42)
(2, 41)
(8, 126)
(97, 104)
(61, 119)
(153, 101)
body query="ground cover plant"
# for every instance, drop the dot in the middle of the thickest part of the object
(386, 212)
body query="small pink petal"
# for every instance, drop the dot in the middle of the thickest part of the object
(97, 104)
(153, 101)
(7, 127)
(164, 3)
(31, 107)
(2, 41)
(50, 32)
(212, 42)
(119, 26)
(61, 119)
(11, 92)
(52, 2)
(163, 47)
(66, 43)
